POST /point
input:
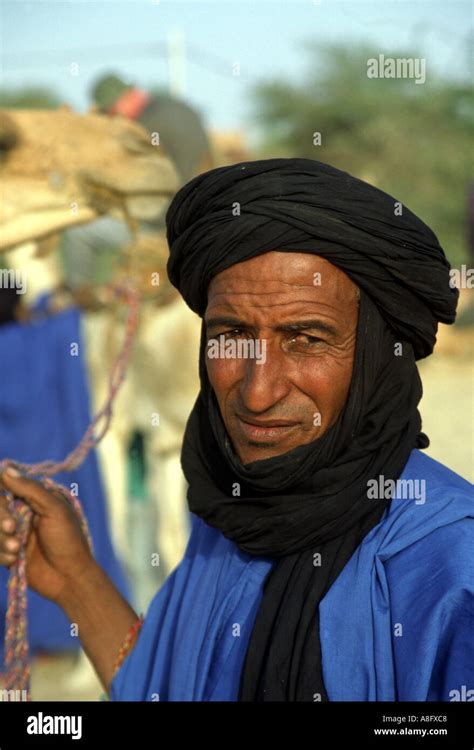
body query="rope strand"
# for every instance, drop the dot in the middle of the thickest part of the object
(17, 656)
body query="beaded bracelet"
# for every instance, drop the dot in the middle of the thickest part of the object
(128, 643)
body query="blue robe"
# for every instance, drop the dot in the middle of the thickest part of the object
(396, 625)
(44, 411)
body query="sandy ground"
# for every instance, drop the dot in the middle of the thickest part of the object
(447, 410)
(64, 677)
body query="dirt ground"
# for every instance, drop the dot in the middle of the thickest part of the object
(447, 410)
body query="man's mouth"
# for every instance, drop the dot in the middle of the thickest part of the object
(265, 429)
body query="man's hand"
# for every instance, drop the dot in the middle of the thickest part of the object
(60, 566)
(57, 551)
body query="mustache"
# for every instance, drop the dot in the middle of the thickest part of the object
(301, 416)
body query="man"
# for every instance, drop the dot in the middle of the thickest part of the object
(180, 128)
(329, 558)
(174, 127)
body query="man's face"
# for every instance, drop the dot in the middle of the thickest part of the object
(306, 310)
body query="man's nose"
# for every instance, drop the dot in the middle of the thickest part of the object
(265, 383)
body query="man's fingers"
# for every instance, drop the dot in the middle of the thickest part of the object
(7, 525)
(9, 543)
(7, 522)
(7, 560)
(8, 557)
(38, 498)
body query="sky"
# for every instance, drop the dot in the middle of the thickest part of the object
(216, 51)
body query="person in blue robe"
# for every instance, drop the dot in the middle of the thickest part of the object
(395, 618)
(329, 559)
(44, 412)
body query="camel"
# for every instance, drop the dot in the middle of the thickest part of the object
(158, 393)
(59, 169)
(156, 398)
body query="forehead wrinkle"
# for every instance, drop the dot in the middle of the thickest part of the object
(260, 303)
(300, 310)
(281, 282)
(334, 286)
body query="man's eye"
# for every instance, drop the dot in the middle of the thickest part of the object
(304, 339)
(230, 334)
(233, 333)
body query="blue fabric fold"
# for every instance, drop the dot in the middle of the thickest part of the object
(396, 625)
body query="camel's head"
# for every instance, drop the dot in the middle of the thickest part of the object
(59, 168)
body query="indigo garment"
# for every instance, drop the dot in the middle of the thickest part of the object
(396, 625)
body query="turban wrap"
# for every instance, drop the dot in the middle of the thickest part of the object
(314, 498)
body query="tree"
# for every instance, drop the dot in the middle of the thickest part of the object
(29, 98)
(411, 140)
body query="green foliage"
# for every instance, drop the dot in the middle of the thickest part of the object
(412, 140)
(29, 98)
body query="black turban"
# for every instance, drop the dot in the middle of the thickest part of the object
(312, 499)
(231, 214)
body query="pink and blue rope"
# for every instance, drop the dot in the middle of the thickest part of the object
(17, 657)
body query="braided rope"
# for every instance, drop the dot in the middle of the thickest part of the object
(17, 657)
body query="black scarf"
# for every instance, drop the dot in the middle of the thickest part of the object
(308, 508)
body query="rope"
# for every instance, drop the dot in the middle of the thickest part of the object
(17, 656)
